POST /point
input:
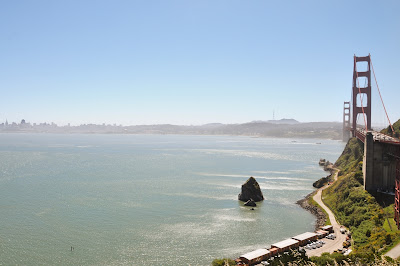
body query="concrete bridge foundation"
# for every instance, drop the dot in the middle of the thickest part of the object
(379, 167)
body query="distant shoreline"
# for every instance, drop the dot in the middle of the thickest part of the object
(318, 130)
(172, 134)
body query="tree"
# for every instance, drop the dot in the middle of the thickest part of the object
(388, 239)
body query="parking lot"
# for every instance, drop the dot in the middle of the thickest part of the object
(330, 244)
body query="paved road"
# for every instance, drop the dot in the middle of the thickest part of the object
(394, 253)
(379, 136)
(330, 245)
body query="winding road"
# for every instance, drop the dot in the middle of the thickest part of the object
(332, 245)
(336, 243)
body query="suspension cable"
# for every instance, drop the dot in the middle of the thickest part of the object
(359, 91)
(380, 93)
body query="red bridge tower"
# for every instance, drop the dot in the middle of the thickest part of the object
(362, 93)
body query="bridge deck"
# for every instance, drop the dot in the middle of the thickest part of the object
(378, 137)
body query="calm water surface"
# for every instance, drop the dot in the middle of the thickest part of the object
(150, 199)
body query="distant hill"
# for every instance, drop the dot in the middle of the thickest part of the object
(284, 128)
(284, 121)
(281, 121)
(211, 125)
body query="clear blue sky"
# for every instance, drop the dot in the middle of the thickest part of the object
(191, 62)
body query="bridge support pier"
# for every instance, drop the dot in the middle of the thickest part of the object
(379, 168)
(397, 194)
(368, 162)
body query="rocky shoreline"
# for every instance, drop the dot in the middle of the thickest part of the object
(317, 212)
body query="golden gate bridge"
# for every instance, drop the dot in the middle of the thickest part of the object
(381, 160)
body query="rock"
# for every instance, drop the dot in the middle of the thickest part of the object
(251, 190)
(251, 203)
(322, 181)
(328, 166)
(321, 217)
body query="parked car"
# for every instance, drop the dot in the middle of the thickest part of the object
(346, 244)
(331, 236)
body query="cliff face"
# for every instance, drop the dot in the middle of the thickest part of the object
(251, 190)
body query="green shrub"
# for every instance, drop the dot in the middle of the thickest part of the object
(356, 208)
(396, 127)
(388, 239)
(223, 262)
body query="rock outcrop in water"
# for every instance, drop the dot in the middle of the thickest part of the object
(251, 190)
(250, 203)
(328, 166)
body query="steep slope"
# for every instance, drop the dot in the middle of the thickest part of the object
(389, 131)
(356, 208)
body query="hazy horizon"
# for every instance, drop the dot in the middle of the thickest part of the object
(126, 125)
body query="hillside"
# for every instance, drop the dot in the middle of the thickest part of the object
(389, 131)
(366, 215)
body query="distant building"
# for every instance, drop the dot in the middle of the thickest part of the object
(328, 228)
(286, 245)
(322, 233)
(253, 257)
(303, 238)
(23, 122)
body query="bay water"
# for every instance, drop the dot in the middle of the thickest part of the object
(150, 199)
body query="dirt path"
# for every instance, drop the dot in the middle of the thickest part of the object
(330, 245)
